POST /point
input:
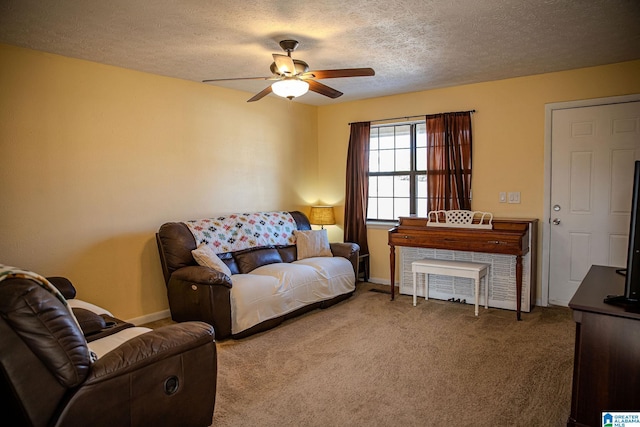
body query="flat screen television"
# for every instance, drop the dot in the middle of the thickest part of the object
(631, 296)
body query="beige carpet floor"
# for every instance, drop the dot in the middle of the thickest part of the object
(369, 361)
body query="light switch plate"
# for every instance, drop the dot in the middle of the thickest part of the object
(514, 197)
(503, 197)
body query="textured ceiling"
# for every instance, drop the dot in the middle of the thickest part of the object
(411, 44)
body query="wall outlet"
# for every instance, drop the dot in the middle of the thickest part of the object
(503, 197)
(514, 197)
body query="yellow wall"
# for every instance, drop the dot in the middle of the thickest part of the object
(508, 132)
(95, 158)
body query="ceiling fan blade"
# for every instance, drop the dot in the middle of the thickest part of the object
(284, 63)
(323, 89)
(266, 91)
(345, 72)
(238, 78)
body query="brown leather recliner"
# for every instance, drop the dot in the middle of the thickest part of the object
(165, 377)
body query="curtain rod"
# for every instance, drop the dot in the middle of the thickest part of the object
(412, 117)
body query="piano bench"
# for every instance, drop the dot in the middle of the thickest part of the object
(472, 270)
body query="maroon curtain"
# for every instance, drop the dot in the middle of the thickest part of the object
(357, 191)
(449, 161)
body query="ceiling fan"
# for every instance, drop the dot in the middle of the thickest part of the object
(293, 78)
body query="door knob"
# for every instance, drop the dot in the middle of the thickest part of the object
(556, 221)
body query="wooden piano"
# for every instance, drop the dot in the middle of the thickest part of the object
(515, 237)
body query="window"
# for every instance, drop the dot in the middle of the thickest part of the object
(397, 171)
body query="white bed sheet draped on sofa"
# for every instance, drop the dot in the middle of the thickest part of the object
(284, 287)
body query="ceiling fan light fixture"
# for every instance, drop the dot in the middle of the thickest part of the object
(290, 88)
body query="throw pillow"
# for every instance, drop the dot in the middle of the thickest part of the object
(312, 243)
(205, 256)
(250, 259)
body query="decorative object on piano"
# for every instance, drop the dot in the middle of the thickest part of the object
(322, 215)
(460, 219)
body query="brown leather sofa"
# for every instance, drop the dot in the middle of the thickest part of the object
(164, 377)
(200, 293)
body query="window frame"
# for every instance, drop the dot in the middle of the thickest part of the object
(413, 171)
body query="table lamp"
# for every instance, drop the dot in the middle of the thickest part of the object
(322, 215)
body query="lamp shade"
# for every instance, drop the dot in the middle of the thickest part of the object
(322, 215)
(290, 88)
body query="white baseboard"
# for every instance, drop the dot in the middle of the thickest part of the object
(385, 282)
(147, 318)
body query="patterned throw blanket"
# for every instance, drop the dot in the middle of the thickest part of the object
(244, 231)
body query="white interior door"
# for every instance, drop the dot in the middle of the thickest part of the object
(592, 162)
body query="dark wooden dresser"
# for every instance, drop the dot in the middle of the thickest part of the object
(606, 371)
